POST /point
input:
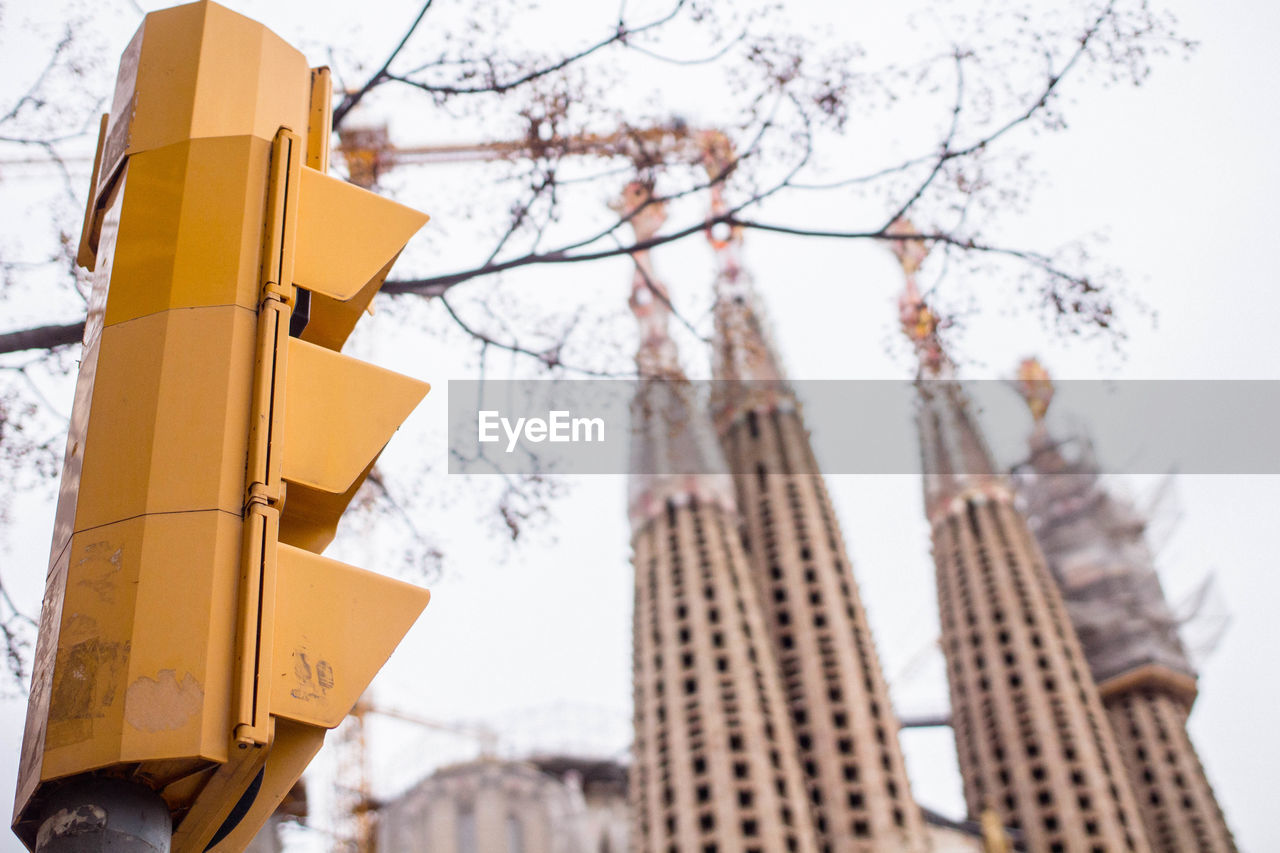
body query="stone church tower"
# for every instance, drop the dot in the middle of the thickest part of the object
(1034, 743)
(1096, 549)
(846, 733)
(714, 766)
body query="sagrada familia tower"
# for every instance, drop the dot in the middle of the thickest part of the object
(846, 734)
(715, 766)
(1031, 734)
(1095, 547)
(763, 720)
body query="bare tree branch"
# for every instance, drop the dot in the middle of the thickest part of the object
(548, 357)
(499, 87)
(42, 337)
(944, 153)
(350, 101)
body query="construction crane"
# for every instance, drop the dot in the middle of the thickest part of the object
(356, 806)
(369, 152)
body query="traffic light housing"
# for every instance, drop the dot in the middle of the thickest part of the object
(192, 639)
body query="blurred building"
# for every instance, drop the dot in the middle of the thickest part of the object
(548, 805)
(603, 786)
(762, 718)
(1096, 549)
(544, 804)
(715, 765)
(1033, 741)
(845, 729)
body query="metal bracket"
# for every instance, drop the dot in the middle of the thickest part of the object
(264, 485)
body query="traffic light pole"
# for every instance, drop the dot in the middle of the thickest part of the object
(97, 815)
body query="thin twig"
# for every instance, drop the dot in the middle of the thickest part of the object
(350, 101)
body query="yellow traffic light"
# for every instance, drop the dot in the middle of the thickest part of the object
(192, 639)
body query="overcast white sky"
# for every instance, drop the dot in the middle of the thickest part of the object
(1180, 174)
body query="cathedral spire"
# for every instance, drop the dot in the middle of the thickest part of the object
(1095, 546)
(954, 456)
(745, 362)
(710, 711)
(674, 455)
(846, 734)
(1031, 737)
